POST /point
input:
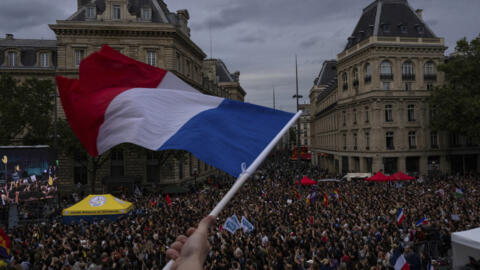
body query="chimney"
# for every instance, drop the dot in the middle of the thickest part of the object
(419, 13)
(236, 76)
(9, 36)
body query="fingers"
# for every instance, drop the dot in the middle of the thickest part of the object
(173, 254)
(182, 239)
(190, 231)
(174, 251)
(206, 223)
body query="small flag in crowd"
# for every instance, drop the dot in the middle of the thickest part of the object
(337, 195)
(308, 199)
(400, 216)
(441, 191)
(401, 263)
(247, 225)
(421, 221)
(237, 222)
(230, 225)
(430, 267)
(459, 193)
(297, 195)
(169, 201)
(325, 200)
(313, 196)
(4, 245)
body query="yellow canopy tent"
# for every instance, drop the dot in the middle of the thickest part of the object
(96, 207)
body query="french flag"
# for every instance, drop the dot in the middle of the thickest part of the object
(120, 100)
(401, 263)
(400, 216)
(421, 221)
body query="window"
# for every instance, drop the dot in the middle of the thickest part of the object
(412, 142)
(366, 115)
(429, 86)
(153, 169)
(179, 63)
(408, 86)
(433, 112)
(344, 141)
(152, 57)
(403, 28)
(386, 71)
(367, 140)
(345, 81)
(386, 85)
(454, 139)
(79, 55)
(12, 59)
(388, 113)
(389, 140)
(44, 60)
(344, 118)
(407, 71)
(116, 12)
(116, 162)
(91, 12)
(434, 139)
(146, 14)
(420, 29)
(411, 112)
(355, 141)
(355, 77)
(354, 116)
(368, 73)
(430, 71)
(386, 28)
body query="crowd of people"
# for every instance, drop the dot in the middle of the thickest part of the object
(355, 228)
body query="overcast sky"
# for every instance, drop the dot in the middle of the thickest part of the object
(261, 37)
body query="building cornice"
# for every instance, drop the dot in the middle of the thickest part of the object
(70, 28)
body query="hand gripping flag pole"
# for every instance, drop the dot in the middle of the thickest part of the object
(247, 173)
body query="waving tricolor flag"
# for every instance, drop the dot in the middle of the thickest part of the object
(423, 220)
(120, 100)
(400, 216)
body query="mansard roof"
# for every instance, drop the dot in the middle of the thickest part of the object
(389, 18)
(327, 73)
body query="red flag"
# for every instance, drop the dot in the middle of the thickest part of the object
(311, 220)
(4, 245)
(297, 195)
(325, 200)
(169, 201)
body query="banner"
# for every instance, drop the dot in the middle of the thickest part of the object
(230, 225)
(247, 226)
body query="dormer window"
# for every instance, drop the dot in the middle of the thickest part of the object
(403, 28)
(370, 29)
(420, 29)
(386, 28)
(116, 12)
(146, 14)
(91, 12)
(44, 59)
(12, 59)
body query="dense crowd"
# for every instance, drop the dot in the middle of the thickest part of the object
(356, 229)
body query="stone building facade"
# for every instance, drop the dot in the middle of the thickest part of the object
(146, 31)
(373, 114)
(305, 124)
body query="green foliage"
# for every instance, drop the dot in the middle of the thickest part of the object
(457, 103)
(26, 111)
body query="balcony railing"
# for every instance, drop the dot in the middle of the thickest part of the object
(430, 77)
(368, 79)
(386, 76)
(408, 77)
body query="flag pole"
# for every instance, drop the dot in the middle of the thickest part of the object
(247, 173)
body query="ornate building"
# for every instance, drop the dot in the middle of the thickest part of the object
(373, 113)
(147, 31)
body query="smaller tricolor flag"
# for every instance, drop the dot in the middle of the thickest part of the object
(459, 193)
(401, 263)
(400, 216)
(337, 195)
(325, 200)
(421, 221)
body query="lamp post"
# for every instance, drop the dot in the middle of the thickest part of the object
(297, 96)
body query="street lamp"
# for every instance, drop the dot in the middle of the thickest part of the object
(297, 96)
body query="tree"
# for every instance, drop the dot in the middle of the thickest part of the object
(456, 104)
(26, 111)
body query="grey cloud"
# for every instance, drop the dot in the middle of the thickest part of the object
(309, 42)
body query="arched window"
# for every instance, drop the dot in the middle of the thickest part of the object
(367, 70)
(407, 71)
(386, 71)
(355, 77)
(345, 81)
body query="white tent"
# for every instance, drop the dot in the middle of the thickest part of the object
(465, 244)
